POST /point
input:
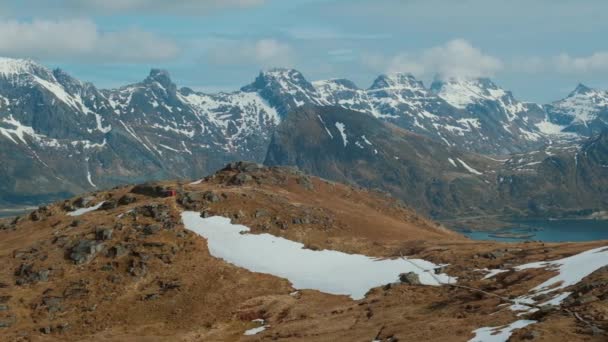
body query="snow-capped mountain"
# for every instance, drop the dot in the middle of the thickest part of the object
(475, 115)
(497, 110)
(584, 111)
(60, 135)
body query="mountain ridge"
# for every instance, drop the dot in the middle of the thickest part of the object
(60, 135)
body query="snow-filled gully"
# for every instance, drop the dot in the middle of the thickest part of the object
(327, 270)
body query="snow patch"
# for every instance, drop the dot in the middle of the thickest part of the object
(327, 271)
(470, 169)
(499, 334)
(83, 211)
(342, 129)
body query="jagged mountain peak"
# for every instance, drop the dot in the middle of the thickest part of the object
(161, 77)
(14, 67)
(282, 78)
(397, 80)
(580, 89)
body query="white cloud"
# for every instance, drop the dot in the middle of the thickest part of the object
(81, 39)
(456, 58)
(261, 53)
(596, 62)
(94, 7)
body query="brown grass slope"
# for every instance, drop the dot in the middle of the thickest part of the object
(143, 277)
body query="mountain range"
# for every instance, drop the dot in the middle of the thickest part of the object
(61, 136)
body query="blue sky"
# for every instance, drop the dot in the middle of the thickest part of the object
(538, 49)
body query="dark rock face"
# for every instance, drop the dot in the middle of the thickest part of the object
(351, 147)
(373, 154)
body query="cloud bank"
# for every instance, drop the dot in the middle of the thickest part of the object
(457, 58)
(81, 39)
(260, 53)
(95, 7)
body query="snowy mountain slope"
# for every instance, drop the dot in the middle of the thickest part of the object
(473, 114)
(75, 136)
(59, 135)
(584, 111)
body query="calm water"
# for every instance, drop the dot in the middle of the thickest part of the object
(549, 231)
(9, 212)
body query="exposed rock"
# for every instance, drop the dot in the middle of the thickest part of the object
(585, 299)
(410, 278)
(494, 255)
(243, 166)
(240, 179)
(118, 251)
(158, 212)
(83, 202)
(531, 335)
(138, 268)
(260, 213)
(306, 182)
(109, 205)
(53, 304)
(103, 234)
(151, 229)
(543, 311)
(26, 275)
(85, 251)
(211, 196)
(301, 220)
(127, 199)
(149, 189)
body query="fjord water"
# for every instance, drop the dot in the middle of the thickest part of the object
(548, 231)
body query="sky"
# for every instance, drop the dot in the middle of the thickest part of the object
(538, 49)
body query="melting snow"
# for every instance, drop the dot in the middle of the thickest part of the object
(452, 162)
(492, 273)
(255, 331)
(324, 126)
(83, 211)
(571, 270)
(327, 271)
(499, 334)
(340, 126)
(365, 140)
(470, 169)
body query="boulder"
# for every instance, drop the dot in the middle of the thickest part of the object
(244, 166)
(103, 234)
(26, 275)
(83, 202)
(260, 213)
(149, 189)
(210, 196)
(85, 251)
(127, 199)
(410, 278)
(240, 179)
(118, 251)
